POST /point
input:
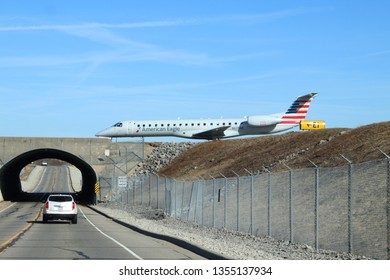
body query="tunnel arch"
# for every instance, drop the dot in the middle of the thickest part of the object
(11, 187)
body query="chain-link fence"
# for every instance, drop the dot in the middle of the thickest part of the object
(342, 209)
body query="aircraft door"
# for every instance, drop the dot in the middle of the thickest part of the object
(130, 127)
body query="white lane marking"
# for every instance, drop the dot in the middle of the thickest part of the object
(35, 189)
(111, 238)
(8, 207)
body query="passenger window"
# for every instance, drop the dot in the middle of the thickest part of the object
(60, 198)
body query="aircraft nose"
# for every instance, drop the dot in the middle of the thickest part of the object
(102, 133)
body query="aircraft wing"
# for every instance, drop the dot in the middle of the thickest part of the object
(211, 134)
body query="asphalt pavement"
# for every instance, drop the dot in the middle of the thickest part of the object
(23, 235)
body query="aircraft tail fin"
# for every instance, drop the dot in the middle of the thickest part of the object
(298, 109)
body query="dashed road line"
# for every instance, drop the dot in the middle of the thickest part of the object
(8, 207)
(8, 243)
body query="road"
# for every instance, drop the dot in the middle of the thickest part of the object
(24, 236)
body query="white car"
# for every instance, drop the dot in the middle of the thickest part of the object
(60, 207)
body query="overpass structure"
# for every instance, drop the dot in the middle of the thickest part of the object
(90, 155)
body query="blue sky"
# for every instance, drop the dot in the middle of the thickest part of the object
(71, 68)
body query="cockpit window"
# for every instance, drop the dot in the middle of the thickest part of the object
(119, 124)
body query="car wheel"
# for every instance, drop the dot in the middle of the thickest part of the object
(74, 220)
(44, 219)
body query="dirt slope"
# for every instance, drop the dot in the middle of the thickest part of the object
(272, 153)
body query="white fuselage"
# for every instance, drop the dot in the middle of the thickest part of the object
(188, 128)
(214, 128)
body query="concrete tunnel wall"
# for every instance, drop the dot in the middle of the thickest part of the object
(11, 187)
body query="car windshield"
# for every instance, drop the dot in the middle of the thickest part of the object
(60, 198)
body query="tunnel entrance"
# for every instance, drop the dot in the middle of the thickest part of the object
(11, 186)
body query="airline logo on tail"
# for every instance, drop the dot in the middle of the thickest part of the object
(298, 110)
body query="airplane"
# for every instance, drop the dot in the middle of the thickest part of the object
(213, 129)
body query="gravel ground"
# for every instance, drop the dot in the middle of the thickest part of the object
(232, 245)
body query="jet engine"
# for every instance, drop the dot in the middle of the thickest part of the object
(262, 120)
(312, 124)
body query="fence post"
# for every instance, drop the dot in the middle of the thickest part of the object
(167, 197)
(388, 207)
(202, 187)
(251, 202)
(225, 202)
(388, 203)
(316, 204)
(150, 190)
(175, 202)
(269, 203)
(238, 200)
(142, 191)
(191, 194)
(213, 221)
(158, 186)
(134, 186)
(290, 197)
(182, 200)
(350, 248)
